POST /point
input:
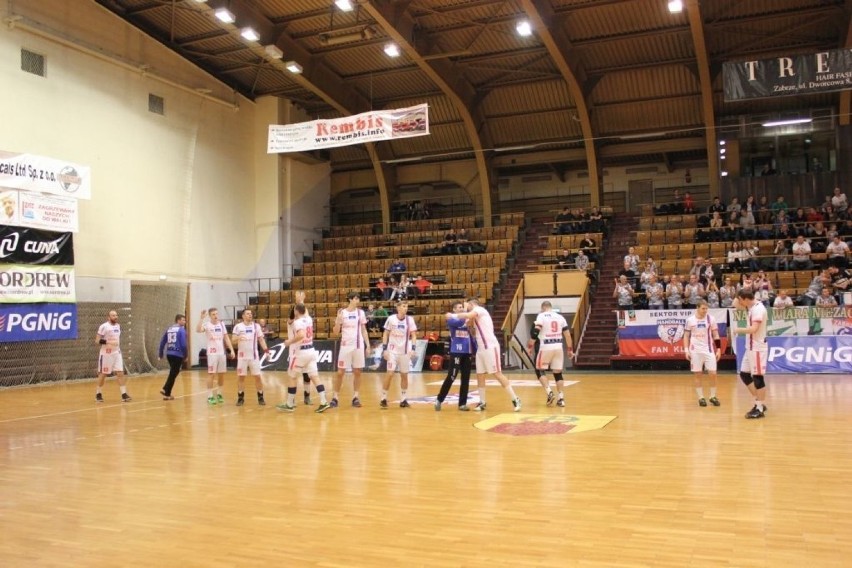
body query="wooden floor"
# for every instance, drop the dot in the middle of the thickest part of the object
(667, 483)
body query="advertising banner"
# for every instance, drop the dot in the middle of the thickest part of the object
(22, 284)
(31, 246)
(809, 354)
(803, 320)
(372, 126)
(45, 175)
(786, 76)
(51, 213)
(37, 322)
(658, 334)
(278, 357)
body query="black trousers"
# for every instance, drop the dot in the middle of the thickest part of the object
(458, 364)
(175, 364)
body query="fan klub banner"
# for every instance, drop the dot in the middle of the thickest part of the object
(658, 334)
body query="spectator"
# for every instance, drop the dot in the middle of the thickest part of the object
(400, 291)
(674, 293)
(693, 291)
(380, 315)
(590, 247)
(716, 207)
(378, 290)
(727, 293)
(746, 223)
(628, 273)
(716, 227)
(825, 299)
(762, 288)
(565, 217)
(582, 261)
(841, 281)
(818, 237)
(732, 228)
(837, 251)
(784, 233)
(713, 300)
(812, 215)
(397, 268)
(688, 203)
(632, 258)
(564, 260)
(623, 293)
(645, 277)
(464, 245)
(655, 293)
(779, 205)
(389, 288)
(782, 300)
(420, 285)
(750, 252)
(596, 223)
(735, 257)
(768, 170)
(370, 314)
(450, 242)
(810, 296)
(734, 206)
(838, 200)
(764, 215)
(782, 256)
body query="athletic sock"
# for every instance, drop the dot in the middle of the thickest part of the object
(759, 405)
(403, 394)
(511, 392)
(355, 394)
(384, 395)
(98, 390)
(561, 395)
(482, 395)
(123, 390)
(699, 391)
(712, 392)
(291, 396)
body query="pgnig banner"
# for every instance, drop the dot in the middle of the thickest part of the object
(806, 354)
(37, 322)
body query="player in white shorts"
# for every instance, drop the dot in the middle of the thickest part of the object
(753, 366)
(248, 336)
(398, 343)
(351, 324)
(487, 352)
(217, 361)
(703, 348)
(303, 361)
(551, 330)
(109, 358)
(299, 298)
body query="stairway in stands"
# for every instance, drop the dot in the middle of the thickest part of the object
(528, 253)
(598, 341)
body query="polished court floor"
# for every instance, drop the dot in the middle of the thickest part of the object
(666, 483)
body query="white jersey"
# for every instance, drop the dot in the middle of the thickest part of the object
(351, 324)
(304, 323)
(485, 338)
(552, 325)
(112, 333)
(215, 336)
(701, 333)
(399, 330)
(247, 335)
(757, 314)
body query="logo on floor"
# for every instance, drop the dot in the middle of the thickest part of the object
(542, 424)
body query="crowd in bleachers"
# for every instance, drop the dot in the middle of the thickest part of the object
(786, 256)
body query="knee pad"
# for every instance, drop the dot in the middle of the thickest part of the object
(746, 378)
(557, 377)
(306, 378)
(759, 383)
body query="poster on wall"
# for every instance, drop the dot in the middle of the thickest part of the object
(372, 126)
(9, 206)
(22, 284)
(658, 334)
(45, 175)
(48, 212)
(20, 245)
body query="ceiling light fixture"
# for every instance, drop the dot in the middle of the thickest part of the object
(722, 142)
(676, 6)
(524, 28)
(789, 122)
(293, 67)
(273, 51)
(224, 15)
(329, 39)
(249, 34)
(392, 49)
(344, 5)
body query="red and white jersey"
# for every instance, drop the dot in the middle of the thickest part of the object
(757, 314)
(306, 324)
(701, 333)
(112, 333)
(351, 323)
(247, 336)
(552, 325)
(290, 335)
(215, 333)
(399, 330)
(485, 337)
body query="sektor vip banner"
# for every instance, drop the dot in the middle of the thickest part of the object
(45, 175)
(372, 126)
(21, 284)
(37, 322)
(658, 334)
(785, 76)
(31, 246)
(811, 354)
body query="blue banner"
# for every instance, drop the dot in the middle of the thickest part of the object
(37, 322)
(809, 354)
